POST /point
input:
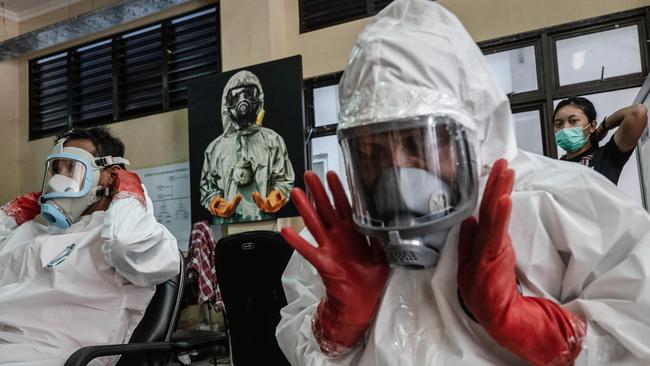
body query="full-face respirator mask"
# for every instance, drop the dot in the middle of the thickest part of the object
(411, 180)
(243, 103)
(71, 183)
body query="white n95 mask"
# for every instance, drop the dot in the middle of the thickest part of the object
(71, 184)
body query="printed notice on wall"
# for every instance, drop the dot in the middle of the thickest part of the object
(169, 189)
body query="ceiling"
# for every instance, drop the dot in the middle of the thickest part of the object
(19, 10)
(88, 23)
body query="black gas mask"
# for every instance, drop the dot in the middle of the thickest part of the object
(243, 103)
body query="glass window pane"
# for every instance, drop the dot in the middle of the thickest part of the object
(528, 131)
(515, 69)
(607, 103)
(326, 105)
(326, 155)
(607, 54)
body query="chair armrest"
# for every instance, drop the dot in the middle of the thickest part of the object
(191, 340)
(181, 341)
(84, 355)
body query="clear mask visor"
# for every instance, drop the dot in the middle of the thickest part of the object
(64, 175)
(408, 172)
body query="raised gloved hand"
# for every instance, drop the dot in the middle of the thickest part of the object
(23, 208)
(222, 208)
(127, 184)
(353, 271)
(536, 329)
(272, 203)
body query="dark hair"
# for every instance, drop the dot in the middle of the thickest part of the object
(106, 144)
(581, 103)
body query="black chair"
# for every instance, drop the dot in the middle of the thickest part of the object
(152, 343)
(249, 268)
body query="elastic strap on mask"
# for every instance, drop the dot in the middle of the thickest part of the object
(106, 161)
(58, 147)
(104, 191)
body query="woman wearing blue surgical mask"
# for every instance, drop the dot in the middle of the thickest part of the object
(577, 131)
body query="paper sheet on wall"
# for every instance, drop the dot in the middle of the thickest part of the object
(169, 189)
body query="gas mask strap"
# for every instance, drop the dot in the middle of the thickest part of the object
(106, 161)
(104, 191)
(58, 147)
(103, 163)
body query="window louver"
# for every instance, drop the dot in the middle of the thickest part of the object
(317, 14)
(377, 5)
(48, 89)
(129, 74)
(139, 57)
(92, 83)
(193, 51)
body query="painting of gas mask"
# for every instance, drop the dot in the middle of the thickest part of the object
(246, 148)
(244, 103)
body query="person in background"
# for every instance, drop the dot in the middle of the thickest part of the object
(87, 277)
(577, 131)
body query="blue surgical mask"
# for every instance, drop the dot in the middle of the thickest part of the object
(571, 139)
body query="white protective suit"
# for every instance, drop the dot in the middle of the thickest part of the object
(578, 239)
(97, 295)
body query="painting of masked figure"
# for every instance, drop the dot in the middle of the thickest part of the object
(246, 132)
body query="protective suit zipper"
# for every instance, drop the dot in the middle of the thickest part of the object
(62, 256)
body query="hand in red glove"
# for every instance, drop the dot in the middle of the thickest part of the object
(536, 329)
(354, 272)
(23, 208)
(127, 184)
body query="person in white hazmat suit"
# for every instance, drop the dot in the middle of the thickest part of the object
(87, 277)
(553, 271)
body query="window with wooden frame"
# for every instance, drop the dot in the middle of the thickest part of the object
(604, 58)
(322, 109)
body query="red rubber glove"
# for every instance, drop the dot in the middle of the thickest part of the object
(127, 184)
(23, 208)
(354, 272)
(536, 329)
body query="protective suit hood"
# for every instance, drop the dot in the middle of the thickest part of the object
(416, 58)
(241, 78)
